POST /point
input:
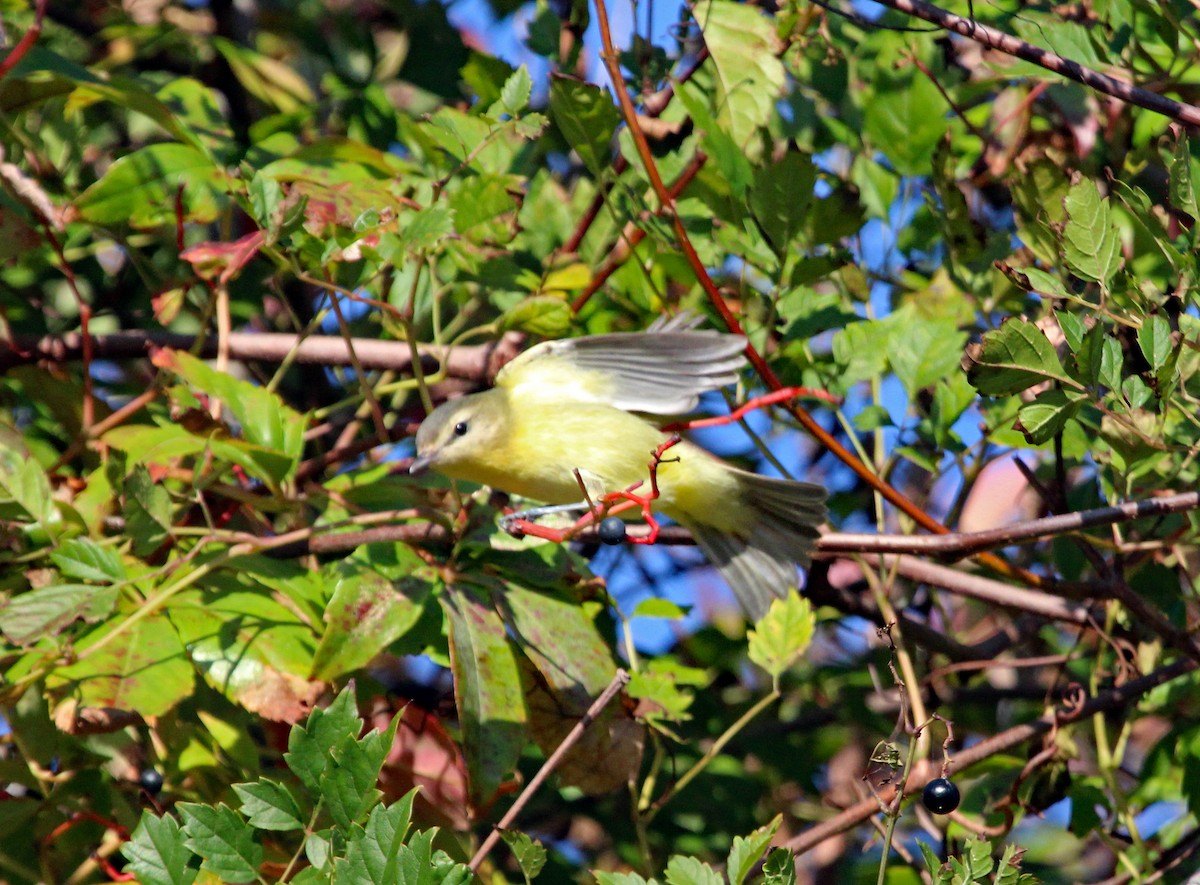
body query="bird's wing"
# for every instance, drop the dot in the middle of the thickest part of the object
(659, 372)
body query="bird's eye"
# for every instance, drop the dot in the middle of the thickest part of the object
(460, 429)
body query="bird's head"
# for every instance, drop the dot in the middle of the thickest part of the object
(460, 434)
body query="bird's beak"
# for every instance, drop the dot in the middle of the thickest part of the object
(422, 463)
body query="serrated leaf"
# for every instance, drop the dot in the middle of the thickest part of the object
(690, 871)
(1073, 329)
(905, 119)
(780, 867)
(222, 839)
(1154, 339)
(156, 853)
(1112, 363)
(85, 560)
(782, 636)
(746, 851)
(530, 854)
(348, 787)
(310, 745)
(587, 118)
(1045, 417)
(1091, 239)
(603, 878)
(514, 95)
(744, 50)
(1016, 356)
(1182, 189)
(269, 805)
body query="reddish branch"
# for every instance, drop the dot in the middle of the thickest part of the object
(1072, 70)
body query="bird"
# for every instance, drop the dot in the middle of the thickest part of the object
(582, 409)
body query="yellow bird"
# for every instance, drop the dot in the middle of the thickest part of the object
(576, 404)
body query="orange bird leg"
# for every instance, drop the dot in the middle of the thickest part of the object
(628, 499)
(767, 399)
(609, 505)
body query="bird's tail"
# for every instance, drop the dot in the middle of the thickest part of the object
(759, 561)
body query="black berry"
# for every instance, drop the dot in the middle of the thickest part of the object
(940, 796)
(150, 781)
(612, 530)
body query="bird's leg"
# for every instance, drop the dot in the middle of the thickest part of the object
(758, 402)
(521, 523)
(616, 502)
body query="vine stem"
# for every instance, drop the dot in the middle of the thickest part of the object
(770, 379)
(619, 681)
(711, 754)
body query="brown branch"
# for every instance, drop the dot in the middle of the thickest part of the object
(475, 362)
(965, 543)
(1113, 699)
(1072, 70)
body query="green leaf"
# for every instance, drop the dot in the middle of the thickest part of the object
(156, 853)
(144, 668)
(780, 867)
(1091, 240)
(905, 118)
(140, 189)
(488, 691)
(85, 560)
(690, 871)
(514, 95)
(310, 744)
(546, 316)
(223, 840)
(1154, 339)
(587, 118)
(367, 613)
(781, 196)
(264, 418)
(566, 664)
(26, 483)
(1182, 188)
(657, 607)
(1073, 329)
(251, 646)
(1112, 363)
(530, 854)
(1045, 417)
(348, 786)
(47, 611)
(269, 805)
(925, 353)
(603, 878)
(147, 511)
(744, 50)
(782, 636)
(1016, 356)
(745, 852)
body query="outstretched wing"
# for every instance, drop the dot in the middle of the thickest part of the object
(658, 372)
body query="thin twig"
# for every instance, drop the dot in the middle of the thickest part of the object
(619, 681)
(1072, 70)
(1005, 741)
